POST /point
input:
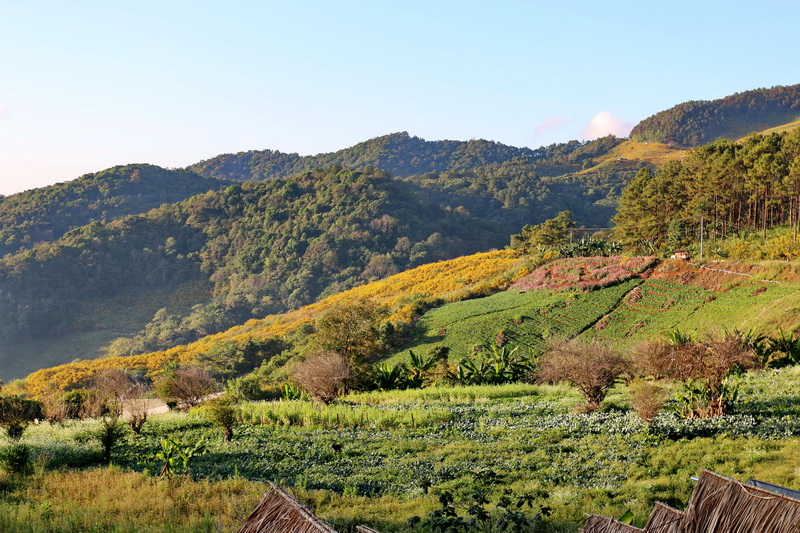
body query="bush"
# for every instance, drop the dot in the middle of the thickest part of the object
(704, 367)
(593, 367)
(186, 386)
(647, 398)
(17, 458)
(223, 413)
(322, 375)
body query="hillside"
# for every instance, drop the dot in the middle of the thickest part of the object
(702, 121)
(267, 247)
(471, 307)
(404, 293)
(45, 214)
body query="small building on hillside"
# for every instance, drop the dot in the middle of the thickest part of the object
(681, 255)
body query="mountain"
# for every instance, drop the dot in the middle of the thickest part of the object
(45, 214)
(130, 282)
(403, 155)
(733, 117)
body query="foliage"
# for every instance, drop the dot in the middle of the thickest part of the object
(110, 430)
(733, 187)
(499, 366)
(224, 413)
(593, 367)
(177, 456)
(16, 459)
(17, 413)
(705, 368)
(551, 233)
(400, 154)
(45, 214)
(352, 330)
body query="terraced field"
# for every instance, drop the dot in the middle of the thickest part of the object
(528, 319)
(657, 306)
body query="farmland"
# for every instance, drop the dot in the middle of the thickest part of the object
(518, 437)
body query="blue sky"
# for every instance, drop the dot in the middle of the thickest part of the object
(85, 85)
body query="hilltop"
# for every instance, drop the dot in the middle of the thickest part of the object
(733, 117)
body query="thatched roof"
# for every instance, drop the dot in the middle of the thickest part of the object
(664, 519)
(365, 529)
(724, 505)
(600, 524)
(718, 504)
(278, 512)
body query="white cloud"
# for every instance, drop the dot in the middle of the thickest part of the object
(549, 124)
(604, 123)
(3, 111)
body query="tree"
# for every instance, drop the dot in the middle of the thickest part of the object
(550, 233)
(123, 395)
(17, 413)
(186, 386)
(593, 367)
(323, 375)
(352, 330)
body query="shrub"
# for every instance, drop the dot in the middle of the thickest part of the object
(704, 367)
(17, 458)
(647, 398)
(187, 386)
(593, 367)
(223, 413)
(323, 375)
(17, 413)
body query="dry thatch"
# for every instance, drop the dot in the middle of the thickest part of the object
(718, 504)
(365, 529)
(278, 512)
(600, 524)
(664, 519)
(724, 505)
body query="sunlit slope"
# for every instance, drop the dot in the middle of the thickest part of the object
(676, 295)
(482, 273)
(656, 154)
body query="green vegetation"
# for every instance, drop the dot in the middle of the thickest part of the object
(390, 456)
(699, 122)
(528, 319)
(45, 214)
(734, 187)
(402, 155)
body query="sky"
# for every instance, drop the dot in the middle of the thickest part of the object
(86, 85)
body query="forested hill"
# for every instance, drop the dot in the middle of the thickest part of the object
(733, 117)
(262, 247)
(47, 213)
(403, 155)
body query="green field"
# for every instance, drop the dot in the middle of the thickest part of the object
(528, 319)
(522, 438)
